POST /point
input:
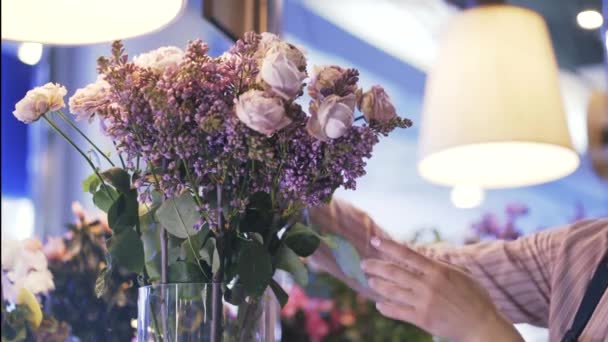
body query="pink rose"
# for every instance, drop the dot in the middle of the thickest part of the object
(376, 105)
(55, 249)
(282, 70)
(90, 100)
(332, 117)
(261, 112)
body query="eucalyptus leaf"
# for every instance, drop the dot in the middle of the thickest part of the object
(185, 272)
(91, 184)
(302, 239)
(289, 261)
(348, 259)
(104, 197)
(119, 178)
(123, 214)
(178, 215)
(281, 295)
(254, 268)
(126, 249)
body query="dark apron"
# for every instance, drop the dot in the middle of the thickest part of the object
(591, 299)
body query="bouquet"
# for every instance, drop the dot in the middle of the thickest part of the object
(25, 275)
(75, 260)
(218, 161)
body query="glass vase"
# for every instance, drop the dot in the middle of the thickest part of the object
(181, 312)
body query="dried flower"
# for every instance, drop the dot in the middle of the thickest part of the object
(333, 118)
(376, 105)
(281, 71)
(260, 112)
(160, 59)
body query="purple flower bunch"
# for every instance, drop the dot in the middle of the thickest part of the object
(199, 122)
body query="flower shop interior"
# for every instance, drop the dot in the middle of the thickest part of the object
(500, 133)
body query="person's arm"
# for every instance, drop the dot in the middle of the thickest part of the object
(516, 274)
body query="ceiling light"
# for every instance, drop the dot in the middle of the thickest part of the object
(492, 112)
(30, 53)
(74, 22)
(590, 19)
(466, 197)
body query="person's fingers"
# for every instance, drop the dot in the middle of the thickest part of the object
(391, 272)
(396, 293)
(402, 254)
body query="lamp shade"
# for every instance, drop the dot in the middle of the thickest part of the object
(75, 22)
(492, 112)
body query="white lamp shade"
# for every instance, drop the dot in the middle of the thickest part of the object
(75, 22)
(492, 113)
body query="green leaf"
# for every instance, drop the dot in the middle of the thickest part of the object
(179, 215)
(289, 261)
(123, 213)
(258, 215)
(254, 268)
(91, 184)
(190, 249)
(118, 178)
(185, 272)
(281, 295)
(100, 283)
(236, 295)
(105, 197)
(302, 240)
(348, 259)
(126, 249)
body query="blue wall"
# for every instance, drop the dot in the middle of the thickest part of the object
(16, 80)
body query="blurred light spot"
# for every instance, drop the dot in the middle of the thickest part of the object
(466, 196)
(17, 218)
(30, 53)
(590, 19)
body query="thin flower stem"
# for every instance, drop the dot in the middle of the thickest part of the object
(81, 152)
(122, 161)
(66, 119)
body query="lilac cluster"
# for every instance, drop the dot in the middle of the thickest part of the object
(489, 226)
(188, 122)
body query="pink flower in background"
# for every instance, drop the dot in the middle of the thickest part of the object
(324, 77)
(314, 309)
(280, 70)
(55, 249)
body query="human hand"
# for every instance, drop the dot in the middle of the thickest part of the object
(434, 296)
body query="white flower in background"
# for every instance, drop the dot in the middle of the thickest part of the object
(261, 112)
(332, 117)
(280, 70)
(88, 101)
(160, 59)
(40, 101)
(376, 105)
(24, 266)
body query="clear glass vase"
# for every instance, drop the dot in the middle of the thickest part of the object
(182, 312)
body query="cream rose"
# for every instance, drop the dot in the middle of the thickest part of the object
(376, 105)
(282, 70)
(332, 117)
(160, 59)
(40, 101)
(88, 101)
(261, 112)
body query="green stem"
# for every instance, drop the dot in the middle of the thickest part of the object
(66, 119)
(81, 152)
(122, 161)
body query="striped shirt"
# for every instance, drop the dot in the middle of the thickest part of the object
(538, 279)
